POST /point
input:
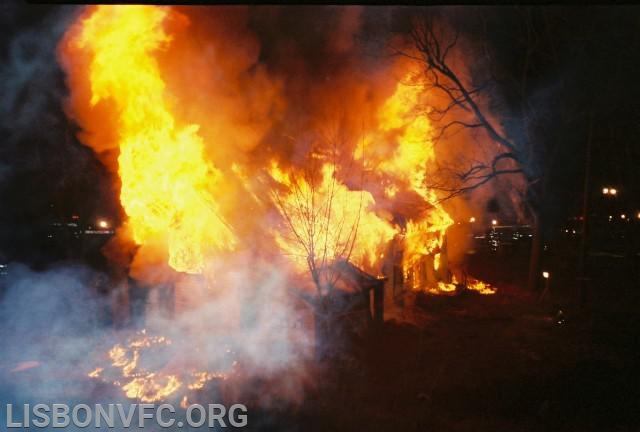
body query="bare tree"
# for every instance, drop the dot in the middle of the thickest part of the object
(321, 222)
(434, 45)
(319, 233)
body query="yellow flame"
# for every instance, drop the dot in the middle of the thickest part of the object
(96, 372)
(404, 112)
(167, 185)
(327, 220)
(147, 385)
(151, 388)
(199, 379)
(441, 288)
(481, 287)
(423, 238)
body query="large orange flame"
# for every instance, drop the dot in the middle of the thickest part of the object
(402, 148)
(167, 185)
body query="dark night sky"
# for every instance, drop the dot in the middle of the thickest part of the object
(581, 62)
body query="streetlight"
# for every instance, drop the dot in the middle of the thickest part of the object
(494, 222)
(473, 219)
(103, 224)
(605, 191)
(546, 275)
(612, 191)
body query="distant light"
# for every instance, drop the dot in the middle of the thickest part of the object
(545, 274)
(613, 191)
(103, 223)
(472, 219)
(623, 216)
(605, 191)
(610, 218)
(638, 215)
(494, 222)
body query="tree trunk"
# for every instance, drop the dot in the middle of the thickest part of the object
(322, 330)
(537, 244)
(324, 337)
(584, 237)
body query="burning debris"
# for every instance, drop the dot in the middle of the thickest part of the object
(454, 287)
(133, 367)
(481, 287)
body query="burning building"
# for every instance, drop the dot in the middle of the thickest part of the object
(219, 170)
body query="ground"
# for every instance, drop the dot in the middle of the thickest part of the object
(504, 362)
(507, 362)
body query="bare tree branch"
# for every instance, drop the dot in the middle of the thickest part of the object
(315, 219)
